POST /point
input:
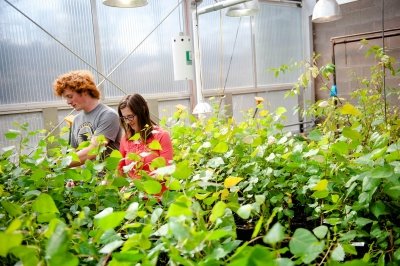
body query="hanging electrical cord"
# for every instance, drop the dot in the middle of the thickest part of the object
(180, 20)
(198, 42)
(383, 65)
(230, 63)
(221, 51)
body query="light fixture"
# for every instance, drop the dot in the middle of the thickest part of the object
(326, 11)
(245, 9)
(125, 3)
(203, 107)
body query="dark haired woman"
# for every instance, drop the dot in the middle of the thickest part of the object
(140, 131)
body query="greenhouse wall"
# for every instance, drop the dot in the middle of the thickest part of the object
(362, 20)
(129, 51)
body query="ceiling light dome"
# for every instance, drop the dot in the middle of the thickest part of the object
(125, 3)
(326, 11)
(245, 9)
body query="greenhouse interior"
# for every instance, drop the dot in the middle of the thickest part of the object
(199, 132)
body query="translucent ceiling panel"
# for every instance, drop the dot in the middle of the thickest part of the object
(31, 57)
(137, 50)
(225, 50)
(279, 41)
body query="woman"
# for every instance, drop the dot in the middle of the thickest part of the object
(140, 131)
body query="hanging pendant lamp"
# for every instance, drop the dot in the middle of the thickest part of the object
(326, 11)
(125, 3)
(245, 9)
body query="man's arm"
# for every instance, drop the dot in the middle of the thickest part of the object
(85, 153)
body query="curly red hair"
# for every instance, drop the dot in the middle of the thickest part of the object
(79, 80)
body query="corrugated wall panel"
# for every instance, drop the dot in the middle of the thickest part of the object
(34, 120)
(149, 68)
(273, 100)
(279, 41)
(218, 34)
(30, 58)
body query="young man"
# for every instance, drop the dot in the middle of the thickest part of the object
(79, 90)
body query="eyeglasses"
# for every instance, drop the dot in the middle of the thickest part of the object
(128, 118)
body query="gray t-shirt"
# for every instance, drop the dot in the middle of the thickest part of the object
(102, 120)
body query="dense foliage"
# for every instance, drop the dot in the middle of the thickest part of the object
(246, 193)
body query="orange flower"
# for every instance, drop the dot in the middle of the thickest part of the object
(259, 100)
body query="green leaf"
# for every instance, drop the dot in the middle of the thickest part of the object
(14, 226)
(392, 191)
(284, 262)
(320, 231)
(217, 234)
(58, 241)
(12, 209)
(27, 255)
(305, 245)
(351, 134)
(180, 207)
(257, 228)
(155, 216)
(63, 259)
(111, 220)
(131, 212)
(151, 186)
(221, 147)
(51, 227)
(254, 256)
(38, 174)
(217, 211)
(320, 194)
(135, 137)
(110, 247)
(397, 254)
(130, 257)
(104, 213)
(45, 206)
(275, 235)
(158, 163)
(315, 135)
(340, 147)
(155, 145)
(361, 221)
(112, 163)
(116, 154)
(120, 182)
(12, 134)
(280, 110)
(379, 208)
(321, 185)
(8, 241)
(215, 162)
(245, 211)
(385, 171)
(183, 170)
(338, 253)
(349, 109)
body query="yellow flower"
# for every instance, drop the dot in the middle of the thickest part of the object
(180, 107)
(69, 120)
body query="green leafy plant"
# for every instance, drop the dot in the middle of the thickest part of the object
(247, 193)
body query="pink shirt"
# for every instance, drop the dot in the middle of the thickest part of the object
(148, 155)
